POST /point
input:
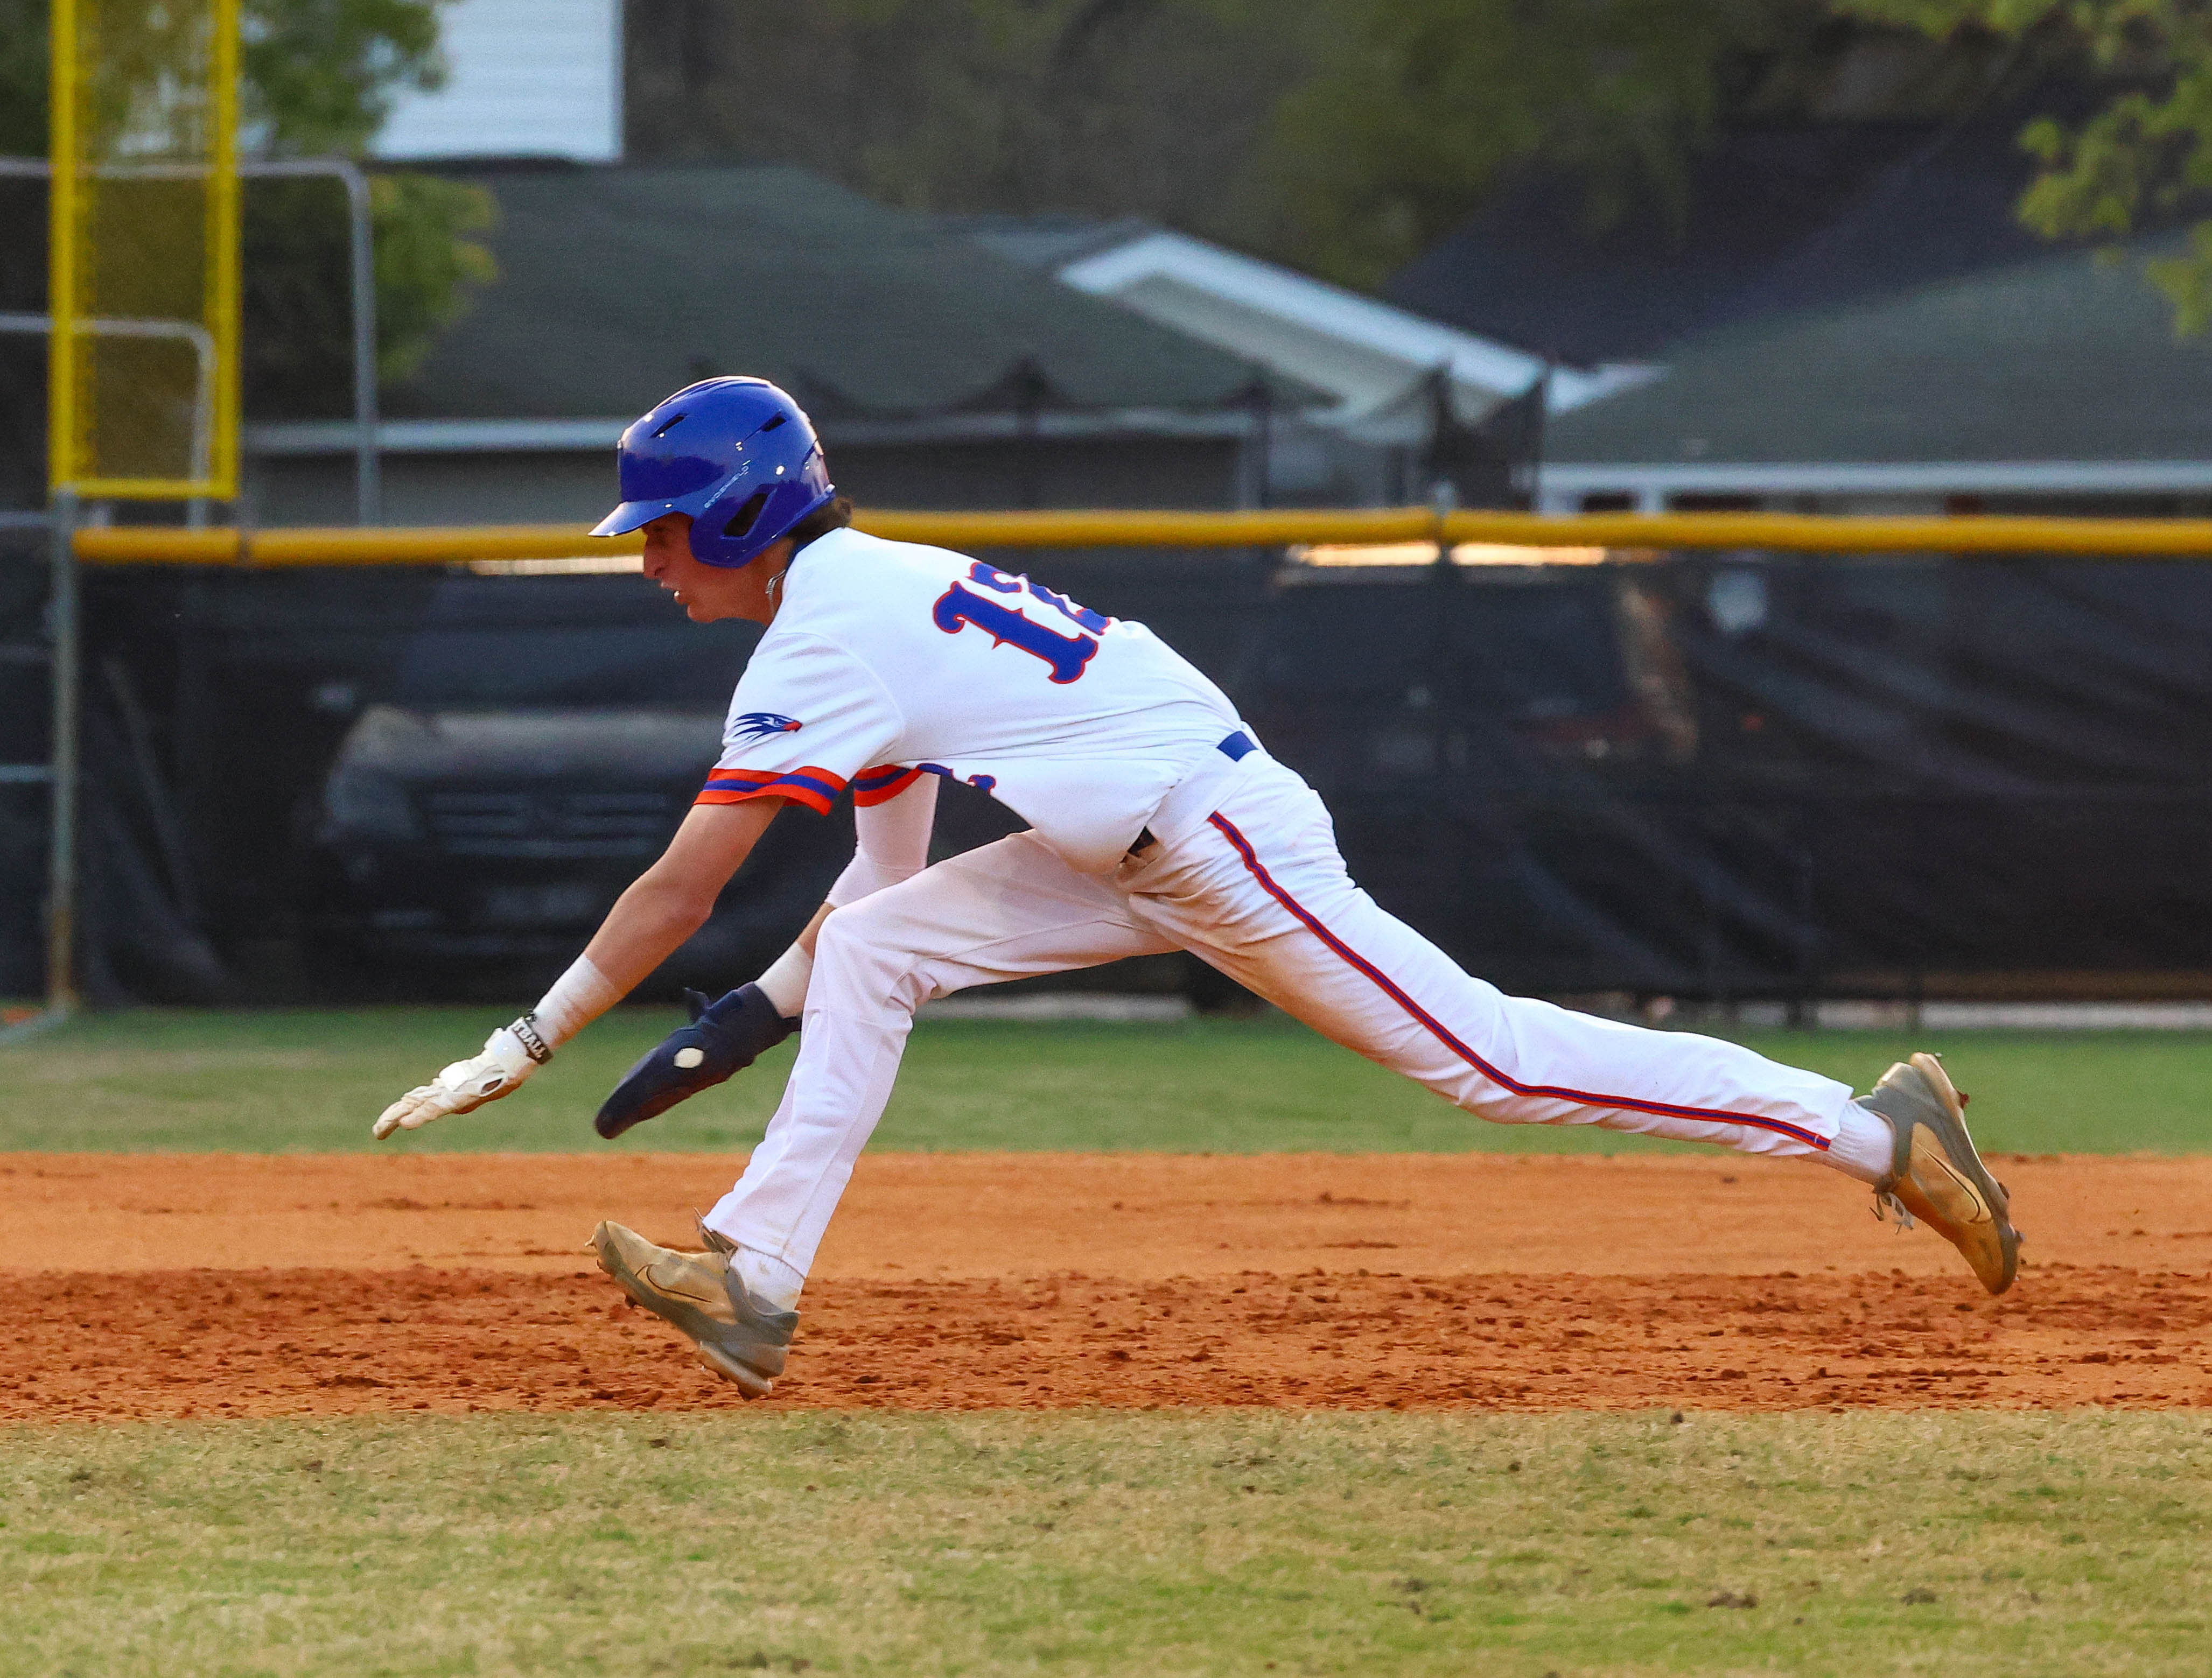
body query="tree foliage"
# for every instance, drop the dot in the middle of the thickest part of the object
(1160, 108)
(2145, 156)
(1424, 104)
(1342, 135)
(1345, 135)
(320, 74)
(299, 360)
(1338, 134)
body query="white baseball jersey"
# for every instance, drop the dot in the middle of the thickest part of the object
(888, 661)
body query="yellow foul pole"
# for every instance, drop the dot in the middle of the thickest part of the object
(144, 312)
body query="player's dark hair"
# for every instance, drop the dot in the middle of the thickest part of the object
(831, 516)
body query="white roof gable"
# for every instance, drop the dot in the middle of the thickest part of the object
(1370, 355)
(529, 78)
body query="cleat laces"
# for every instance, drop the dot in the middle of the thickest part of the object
(1888, 1208)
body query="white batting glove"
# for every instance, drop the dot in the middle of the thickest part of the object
(510, 1054)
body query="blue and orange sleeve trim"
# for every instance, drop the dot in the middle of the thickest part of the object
(883, 784)
(814, 788)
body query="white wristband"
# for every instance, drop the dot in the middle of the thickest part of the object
(785, 982)
(578, 997)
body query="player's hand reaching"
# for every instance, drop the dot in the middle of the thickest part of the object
(510, 1054)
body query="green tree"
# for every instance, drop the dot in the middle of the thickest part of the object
(1158, 108)
(2145, 156)
(319, 76)
(1423, 104)
(1338, 135)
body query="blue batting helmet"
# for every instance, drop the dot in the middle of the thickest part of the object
(737, 454)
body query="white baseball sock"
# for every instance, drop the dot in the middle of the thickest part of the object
(769, 1279)
(1865, 1145)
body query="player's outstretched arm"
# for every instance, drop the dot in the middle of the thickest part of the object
(726, 1036)
(665, 905)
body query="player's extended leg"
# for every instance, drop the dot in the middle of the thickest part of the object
(1004, 911)
(1260, 891)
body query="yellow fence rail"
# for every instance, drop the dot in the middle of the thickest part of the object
(2117, 538)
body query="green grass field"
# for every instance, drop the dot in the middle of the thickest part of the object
(1174, 1544)
(313, 1082)
(1078, 1542)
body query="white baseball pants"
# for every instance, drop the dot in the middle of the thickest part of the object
(1243, 873)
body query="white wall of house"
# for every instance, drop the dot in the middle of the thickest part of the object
(529, 78)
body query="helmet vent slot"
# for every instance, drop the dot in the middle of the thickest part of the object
(674, 420)
(742, 521)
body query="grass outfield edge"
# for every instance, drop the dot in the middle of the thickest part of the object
(313, 1082)
(1107, 1542)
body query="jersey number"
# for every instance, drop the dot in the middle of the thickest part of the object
(958, 607)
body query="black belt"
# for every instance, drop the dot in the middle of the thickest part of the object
(1236, 747)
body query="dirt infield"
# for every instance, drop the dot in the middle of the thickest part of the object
(164, 1285)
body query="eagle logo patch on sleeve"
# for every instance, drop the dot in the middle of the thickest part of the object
(759, 724)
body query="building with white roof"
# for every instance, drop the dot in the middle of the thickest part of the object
(1370, 353)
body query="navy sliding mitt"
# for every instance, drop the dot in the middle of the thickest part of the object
(723, 1038)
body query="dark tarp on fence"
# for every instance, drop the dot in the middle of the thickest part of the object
(1701, 775)
(1722, 775)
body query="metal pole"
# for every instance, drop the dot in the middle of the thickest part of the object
(61, 856)
(368, 490)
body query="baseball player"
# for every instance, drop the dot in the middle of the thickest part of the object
(1158, 821)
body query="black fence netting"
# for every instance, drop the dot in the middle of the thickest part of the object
(1700, 774)
(25, 683)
